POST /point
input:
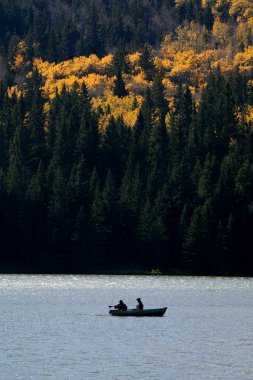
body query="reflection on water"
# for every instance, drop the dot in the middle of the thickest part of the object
(123, 282)
(58, 327)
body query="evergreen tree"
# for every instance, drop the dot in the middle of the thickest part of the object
(81, 259)
(3, 232)
(119, 86)
(208, 177)
(58, 218)
(3, 150)
(128, 213)
(35, 119)
(35, 228)
(146, 62)
(103, 222)
(120, 61)
(150, 231)
(158, 97)
(180, 123)
(52, 54)
(217, 114)
(17, 173)
(200, 240)
(157, 158)
(93, 38)
(117, 33)
(16, 181)
(111, 150)
(53, 115)
(78, 186)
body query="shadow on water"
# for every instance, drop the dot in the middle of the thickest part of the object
(93, 315)
(115, 316)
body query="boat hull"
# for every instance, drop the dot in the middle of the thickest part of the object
(139, 313)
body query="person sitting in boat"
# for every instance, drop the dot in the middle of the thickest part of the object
(121, 306)
(140, 304)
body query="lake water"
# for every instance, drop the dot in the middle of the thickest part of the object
(58, 327)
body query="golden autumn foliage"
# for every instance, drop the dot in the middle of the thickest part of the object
(184, 62)
(220, 33)
(14, 90)
(136, 84)
(242, 9)
(186, 65)
(206, 3)
(249, 115)
(127, 107)
(19, 60)
(245, 117)
(134, 59)
(245, 60)
(244, 33)
(192, 36)
(187, 55)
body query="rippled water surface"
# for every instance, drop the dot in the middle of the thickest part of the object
(58, 327)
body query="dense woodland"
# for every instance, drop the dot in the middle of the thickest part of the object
(62, 29)
(126, 136)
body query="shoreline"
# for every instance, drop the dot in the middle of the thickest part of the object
(172, 273)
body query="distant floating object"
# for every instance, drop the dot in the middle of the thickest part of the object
(155, 272)
(138, 313)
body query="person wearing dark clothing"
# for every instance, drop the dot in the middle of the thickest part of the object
(140, 304)
(121, 306)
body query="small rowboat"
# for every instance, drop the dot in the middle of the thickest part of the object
(138, 313)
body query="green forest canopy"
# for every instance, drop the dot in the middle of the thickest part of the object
(77, 199)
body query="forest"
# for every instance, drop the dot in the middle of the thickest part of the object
(126, 136)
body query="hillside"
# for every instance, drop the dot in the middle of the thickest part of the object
(193, 47)
(126, 136)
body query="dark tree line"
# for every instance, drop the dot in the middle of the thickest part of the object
(177, 198)
(60, 30)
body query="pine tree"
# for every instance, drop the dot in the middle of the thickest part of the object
(17, 170)
(201, 241)
(58, 217)
(110, 150)
(52, 53)
(244, 183)
(146, 62)
(11, 115)
(34, 217)
(3, 209)
(158, 138)
(119, 88)
(117, 33)
(87, 138)
(78, 185)
(16, 181)
(151, 231)
(224, 190)
(3, 150)
(208, 177)
(128, 213)
(52, 118)
(81, 258)
(217, 115)
(140, 135)
(158, 97)
(103, 221)
(93, 38)
(180, 123)
(35, 121)
(120, 61)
